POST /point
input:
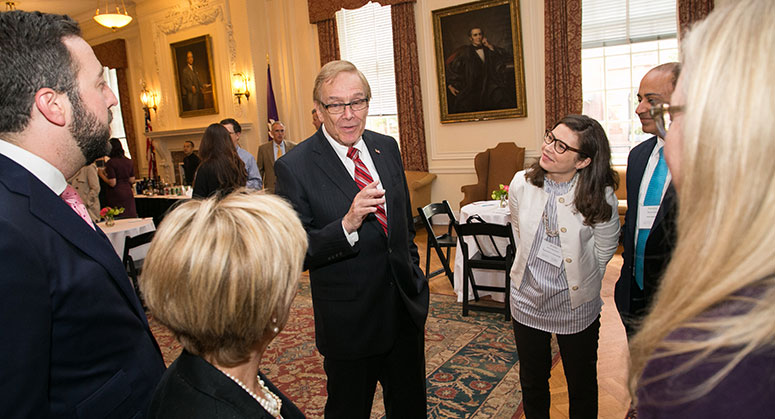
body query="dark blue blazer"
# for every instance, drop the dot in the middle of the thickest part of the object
(356, 290)
(631, 301)
(76, 341)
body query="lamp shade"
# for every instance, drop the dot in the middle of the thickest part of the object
(112, 20)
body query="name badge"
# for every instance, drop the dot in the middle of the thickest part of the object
(647, 216)
(550, 253)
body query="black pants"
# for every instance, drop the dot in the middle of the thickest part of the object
(579, 359)
(401, 372)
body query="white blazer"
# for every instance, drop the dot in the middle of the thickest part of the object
(586, 250)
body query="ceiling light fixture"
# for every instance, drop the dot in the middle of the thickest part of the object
(112, 20)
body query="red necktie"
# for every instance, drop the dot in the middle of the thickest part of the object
(71, 198)
(363, 178)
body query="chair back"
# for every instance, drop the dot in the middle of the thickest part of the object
(480, 232)
(131, 243)
(437, 208)
(494, 166)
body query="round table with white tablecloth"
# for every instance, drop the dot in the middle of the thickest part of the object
(491, 212)
(128, 227)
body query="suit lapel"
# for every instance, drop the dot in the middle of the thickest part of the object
(386, 177)
(332, 167)
(51, 210)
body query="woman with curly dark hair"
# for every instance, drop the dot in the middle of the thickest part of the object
(566, 208)
(221, 170)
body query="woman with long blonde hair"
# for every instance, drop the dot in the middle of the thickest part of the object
(707, 348)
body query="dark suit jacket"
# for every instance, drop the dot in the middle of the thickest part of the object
(76, 341)
(265, 162)
(193, 388)
(631, 301)
(356, 291)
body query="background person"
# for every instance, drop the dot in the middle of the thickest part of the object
(235, 132)
(87, 183)
(119, 174)
(225, 299)
(221, 170)
(564, 214)
(269, 152)
(706, 348)
(190, 162)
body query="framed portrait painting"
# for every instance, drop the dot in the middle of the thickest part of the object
(192, 60)
(479, 61)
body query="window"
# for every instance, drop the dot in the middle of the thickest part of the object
(117, 124)
(366, 40)
(621, 41)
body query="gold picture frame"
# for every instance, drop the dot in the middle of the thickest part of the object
(481, 74)
(194, 81)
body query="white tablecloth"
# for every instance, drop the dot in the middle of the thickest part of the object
(128, 227)
(491, 212)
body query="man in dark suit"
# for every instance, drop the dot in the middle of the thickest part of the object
(369, 295)
(480, 76)
(76, 340)
(191, 85)
(649, 224)
(269, 152)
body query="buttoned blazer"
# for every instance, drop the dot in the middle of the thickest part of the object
(661, 240)
(586, 250)
(266, 162)
(76, 341)
(354, 287)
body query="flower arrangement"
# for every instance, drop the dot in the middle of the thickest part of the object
(502, 193)
(108, 213)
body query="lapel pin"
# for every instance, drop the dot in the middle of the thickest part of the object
(376, 150)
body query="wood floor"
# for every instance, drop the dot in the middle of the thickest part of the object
(613, 356)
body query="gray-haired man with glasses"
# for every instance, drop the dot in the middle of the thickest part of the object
(369, 295)
(649, 224)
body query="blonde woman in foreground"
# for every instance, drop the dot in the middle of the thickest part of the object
(707, 350)
(221, 274)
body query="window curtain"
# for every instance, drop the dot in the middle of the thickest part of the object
(690, 11)
(407, 67)
(408, 95)
(562, 59)
(112, 54)
(328, 41)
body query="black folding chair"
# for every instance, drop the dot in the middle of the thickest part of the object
(446, 240)
(502, 261)
(133, 268)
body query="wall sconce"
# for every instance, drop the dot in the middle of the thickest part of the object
(112, 20)
(239, 85)
(149, 101)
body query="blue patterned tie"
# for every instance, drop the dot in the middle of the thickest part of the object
(653, 197)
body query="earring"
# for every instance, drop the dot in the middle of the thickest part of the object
(275, 329)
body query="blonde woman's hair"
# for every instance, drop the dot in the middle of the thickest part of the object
(220, 272)
(720, 285)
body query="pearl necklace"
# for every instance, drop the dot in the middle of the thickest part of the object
(271, 404)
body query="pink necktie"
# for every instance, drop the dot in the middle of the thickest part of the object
(71, 198)
(363, 178)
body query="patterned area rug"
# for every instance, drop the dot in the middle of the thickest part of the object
(471, 362)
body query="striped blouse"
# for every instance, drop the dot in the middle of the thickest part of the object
(543, 299)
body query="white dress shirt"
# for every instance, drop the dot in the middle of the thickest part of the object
(341, 152)
(644, 182)
(41, 169)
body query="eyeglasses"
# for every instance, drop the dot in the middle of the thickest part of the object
(355, 105)
(663, 116)
(560, 146)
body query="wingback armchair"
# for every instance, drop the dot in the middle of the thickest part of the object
(494, 166)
